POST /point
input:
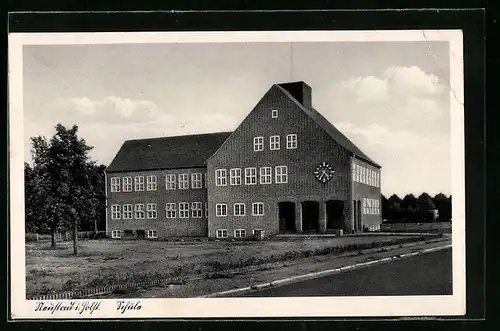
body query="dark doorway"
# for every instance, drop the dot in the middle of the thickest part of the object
(358, 215)
(334, 214)
(287, 216)
(141, 234)
(310, 216)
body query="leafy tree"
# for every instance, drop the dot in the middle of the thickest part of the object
(394, 209)
(443, 205)
(409, 201)
(425, 207)
(385, 208)
(69, 156)
(66, 183)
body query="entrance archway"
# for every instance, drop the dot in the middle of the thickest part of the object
(334, 214)
(286, 217)
(310, 216)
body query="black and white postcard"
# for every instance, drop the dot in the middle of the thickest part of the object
(237, 174)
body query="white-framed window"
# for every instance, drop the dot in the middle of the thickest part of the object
(116, 234)
(183, 210)
(151, 234)
(358, 173)
(240, 233)
(257, 209)
(221, 210)
(196, 180)
(291, 141)
(377, 207)
(250, 176)
(239, 209)
(183, 181)
(115, 184)
(151, 210)
(265, 175)
(115, 212)
(170, 181)
(220, 177)
(206, 179)
(254, 232)
(170, 210)
(281, 174)
(235, 176)
(353, 172)
(151, 183)
(139, 183)
(127, 184)
(378, 179)
(274, 143)
(127, 212)
(274, 113)
(258, 144)
(196, 210)
(206, 209)
(221, 233)
(139, 211)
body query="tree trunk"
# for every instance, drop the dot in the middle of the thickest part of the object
(53, 236)
(75, 238)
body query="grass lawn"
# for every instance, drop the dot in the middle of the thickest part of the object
(108, 262)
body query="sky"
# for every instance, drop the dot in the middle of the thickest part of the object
(390, 98)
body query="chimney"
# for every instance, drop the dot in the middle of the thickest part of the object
(300, 91)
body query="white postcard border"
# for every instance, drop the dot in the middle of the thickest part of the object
(239, 307)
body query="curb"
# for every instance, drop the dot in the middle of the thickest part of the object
(319, 274)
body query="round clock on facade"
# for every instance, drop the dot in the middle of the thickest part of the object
(324, 172)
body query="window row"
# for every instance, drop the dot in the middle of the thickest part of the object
(172, 210)
(238, 233)
(150, 234)
(265, 176)
(365, 175)
(371, 206)
(274, 142)
(172, 182)
(239, 209)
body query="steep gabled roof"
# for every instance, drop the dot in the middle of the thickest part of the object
(331, 130)
(187, 151)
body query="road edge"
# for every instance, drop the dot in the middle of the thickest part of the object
(319, 274)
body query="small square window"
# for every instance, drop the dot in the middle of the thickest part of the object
(221, 233)
(152, 234)
(274, 113)
(240, 233)
(116, 234)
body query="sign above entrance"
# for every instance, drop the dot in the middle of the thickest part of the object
(324, 172)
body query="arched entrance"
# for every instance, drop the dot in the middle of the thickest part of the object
(286, 217)
(334, 214)
(310, 216)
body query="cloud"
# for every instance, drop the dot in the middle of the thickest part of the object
(412, 80)
(111, 109)
(368, 89)
(408, 159)
(107, 123)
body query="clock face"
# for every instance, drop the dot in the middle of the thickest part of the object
(324, 172)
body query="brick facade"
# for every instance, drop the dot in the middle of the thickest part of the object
(346, 201)
(165, 227)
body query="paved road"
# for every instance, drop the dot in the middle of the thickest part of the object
(427, 274)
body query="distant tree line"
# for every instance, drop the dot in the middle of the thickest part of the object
(422, 209)
(64, 189)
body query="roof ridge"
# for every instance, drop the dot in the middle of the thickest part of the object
(182, 135)
(311, 111)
